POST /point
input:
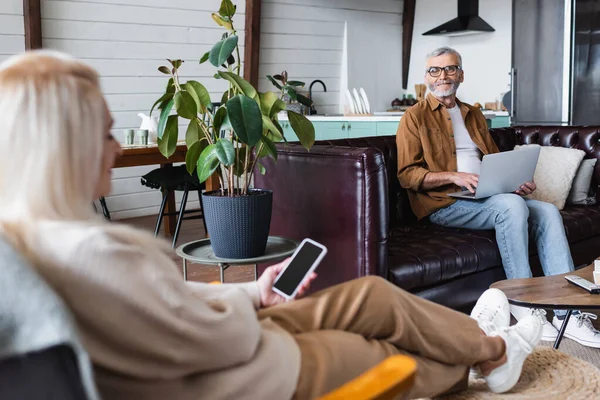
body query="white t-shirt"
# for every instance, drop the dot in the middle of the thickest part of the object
(468, 155)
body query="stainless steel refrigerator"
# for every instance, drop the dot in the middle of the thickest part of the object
(555, 75)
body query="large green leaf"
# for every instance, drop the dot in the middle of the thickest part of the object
(227, 9)
(207, 163)
(168, 142)
(225, 152)
(199, 94)
(219, 119)
(243, 85)
(268, 149)
(304, 100)
(291, 92)
(271, 104)
(274, 82)
(162, 120)
(164, 70)
(192, 134)
(246, 119)
(163, 98)
(279, 128)
(295, 83)
(276, 134)
(193, 153)
(185, 105)
(222, 50)
(303, 128)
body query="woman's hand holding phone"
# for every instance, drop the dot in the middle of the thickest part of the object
(268, 297)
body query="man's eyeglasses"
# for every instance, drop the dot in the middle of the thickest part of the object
(437, 71)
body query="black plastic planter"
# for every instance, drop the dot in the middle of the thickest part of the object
(238, 226)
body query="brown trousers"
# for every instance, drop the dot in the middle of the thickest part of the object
(349, 328)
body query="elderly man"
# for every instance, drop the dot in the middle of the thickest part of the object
(440, 144)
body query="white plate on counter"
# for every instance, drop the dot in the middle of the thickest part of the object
(350, 101)
(365, 100)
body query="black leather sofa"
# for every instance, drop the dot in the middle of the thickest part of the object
(345, 194)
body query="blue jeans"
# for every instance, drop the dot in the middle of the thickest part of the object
(509, 215)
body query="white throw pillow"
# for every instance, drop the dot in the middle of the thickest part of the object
(580, 191)
(554, 173)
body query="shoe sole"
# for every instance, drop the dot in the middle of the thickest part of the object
(549, 338)
(595, 345)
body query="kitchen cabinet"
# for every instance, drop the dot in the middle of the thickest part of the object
(387, 128)
(344, 129)
(361, 128)
(499, 122)
(331, 130)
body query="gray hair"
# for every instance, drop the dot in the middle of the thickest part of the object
(445, 50)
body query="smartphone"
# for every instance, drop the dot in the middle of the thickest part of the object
(304, 261)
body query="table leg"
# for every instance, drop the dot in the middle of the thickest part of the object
(184, 269)
(222, 268)
(563, 327)
(170, 220)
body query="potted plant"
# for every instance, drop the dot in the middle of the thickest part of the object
(237, 216)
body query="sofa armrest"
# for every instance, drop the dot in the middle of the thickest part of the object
(337, 196)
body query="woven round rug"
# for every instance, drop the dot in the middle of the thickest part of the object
(547, 374)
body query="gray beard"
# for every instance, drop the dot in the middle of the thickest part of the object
(444, 93)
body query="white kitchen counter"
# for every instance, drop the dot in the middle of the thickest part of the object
(375, 118)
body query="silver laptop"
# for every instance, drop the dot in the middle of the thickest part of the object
(503, 173)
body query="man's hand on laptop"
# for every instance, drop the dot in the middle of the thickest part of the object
(466, 180)
(526, 188)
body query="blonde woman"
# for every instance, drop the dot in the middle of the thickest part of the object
(152, 336)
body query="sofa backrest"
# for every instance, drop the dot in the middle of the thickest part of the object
(585, 138)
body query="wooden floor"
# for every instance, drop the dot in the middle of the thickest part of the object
(194, 230)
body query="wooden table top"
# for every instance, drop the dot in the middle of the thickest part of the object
(136, 155)
(551, 291)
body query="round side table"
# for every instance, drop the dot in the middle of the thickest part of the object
(201, 252)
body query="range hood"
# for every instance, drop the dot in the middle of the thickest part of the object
(468, 22)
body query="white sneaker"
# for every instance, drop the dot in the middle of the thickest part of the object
(580, 329)
(520, 341)
(491, 311)
(549, 332)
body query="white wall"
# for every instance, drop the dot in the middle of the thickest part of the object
(486, 57)
(12, 36)
(375, 54)
(126, 40)
(305, 37)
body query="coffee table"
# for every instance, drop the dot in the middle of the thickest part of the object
(200, 252)
(551, 292)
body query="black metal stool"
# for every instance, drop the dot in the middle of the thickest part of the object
(175, 179)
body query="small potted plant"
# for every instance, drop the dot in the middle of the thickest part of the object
(237, 216)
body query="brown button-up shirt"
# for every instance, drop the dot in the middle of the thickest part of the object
(425, 141)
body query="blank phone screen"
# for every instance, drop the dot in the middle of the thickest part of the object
(298, 267)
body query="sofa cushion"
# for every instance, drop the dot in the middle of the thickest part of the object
(554, 173)
(581, 222)
(428, 254)
(581, 192)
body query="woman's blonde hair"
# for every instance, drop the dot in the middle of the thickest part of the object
(52, 117)
(52, 122)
